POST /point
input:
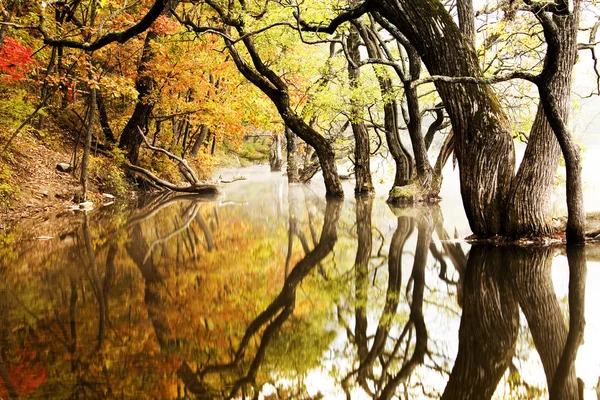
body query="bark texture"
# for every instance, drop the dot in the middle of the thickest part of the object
(483, 144)
(527, 213)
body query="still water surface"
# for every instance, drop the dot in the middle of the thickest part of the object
(273, 292)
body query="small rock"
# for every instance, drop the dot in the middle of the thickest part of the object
(87, 205)
(63, 167)
(29, 205)
(108, 196)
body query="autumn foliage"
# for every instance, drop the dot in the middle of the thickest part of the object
(15, 59)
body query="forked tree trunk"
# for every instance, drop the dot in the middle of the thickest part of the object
(484, 145)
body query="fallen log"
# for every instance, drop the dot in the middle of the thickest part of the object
(198, 188)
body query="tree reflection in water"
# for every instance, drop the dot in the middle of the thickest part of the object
(192, 298)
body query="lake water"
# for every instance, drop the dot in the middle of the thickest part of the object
(272, 292)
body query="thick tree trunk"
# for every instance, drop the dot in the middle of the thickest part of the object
(484, 145)
(576, 221)
(527, 213)
(130, 138)
(362, 154)
(292, 156)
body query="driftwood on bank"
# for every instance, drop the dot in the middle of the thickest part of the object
(188, 173)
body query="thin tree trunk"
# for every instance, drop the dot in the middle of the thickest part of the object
(565, 372)
(466, 18)
(401, 157)
(103, 118)
(6, 17)
(88, 144)
(362, 152)
(292, 156)
(364, 209)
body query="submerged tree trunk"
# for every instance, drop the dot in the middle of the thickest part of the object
(362, 154)
(484, 145)
(292, 156)
(527, 212)
(402, 158)
(275, 156)
(364, 209)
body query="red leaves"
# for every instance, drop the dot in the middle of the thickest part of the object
(25, 376)
(14, 59)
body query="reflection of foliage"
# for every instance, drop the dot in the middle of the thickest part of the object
(303, 341)
(186, 297)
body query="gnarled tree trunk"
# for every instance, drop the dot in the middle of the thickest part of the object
(484, 145)
(527, 213)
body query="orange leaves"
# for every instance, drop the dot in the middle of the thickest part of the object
(164, 26)
(15, 59)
